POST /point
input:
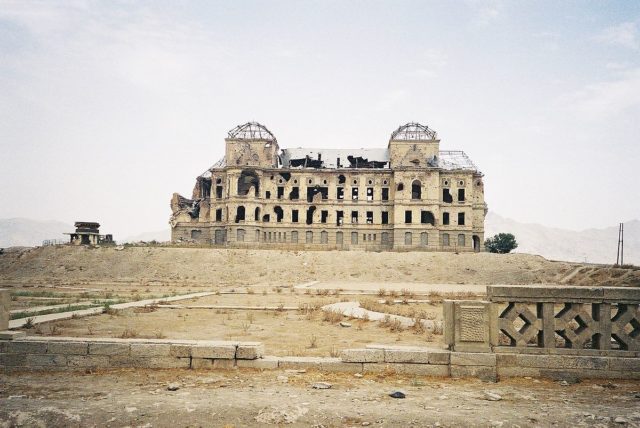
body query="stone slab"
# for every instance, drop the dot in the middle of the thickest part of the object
(335, 365)
(220, 351)
(625, 364)
(150, 350)
(109, 348)
(300, 363)
(126, 361)
(68, 348)
(485, 373)
(249, 350)
(182, 351)
(26, 347)
(45, 360)
(439, 357)
(88, 361)
(472, 359)
(406, 356)
(562, 362)
(201, 363)
(522, 293)
(12, 335)
(265, 363)
(362, 355)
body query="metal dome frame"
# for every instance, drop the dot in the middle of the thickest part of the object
(413, 131)
(251, 131)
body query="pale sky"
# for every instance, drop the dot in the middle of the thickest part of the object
(107, 108)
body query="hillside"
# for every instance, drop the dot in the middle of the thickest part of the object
(23, 232)
(209, 267)
(590, 245)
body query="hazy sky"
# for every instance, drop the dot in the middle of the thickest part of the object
(107, 108)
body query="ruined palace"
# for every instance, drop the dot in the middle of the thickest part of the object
(408, 196)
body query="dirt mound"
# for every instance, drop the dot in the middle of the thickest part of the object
(64, 265)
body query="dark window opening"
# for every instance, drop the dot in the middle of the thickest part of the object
(340, 193)
(280, 192)
(446, 196)
(219, 192)
(267, 194)
(266, 218)
(240, 214)
(310, 212)
(219, 214)
(426, 217)
(354, 216)
(341, 179)
(416, 190)
(294, 194)
(369, 217)
(385, 217)
(407, 216)
(445, 218)
(323, 216)
(256, 215)
(400, 187)
(317, 190)
(294, 216)
(460, 195)
(369, 193)
(461, 219)
(339, 218)
(205, 187)
(354, 193)
(279, 213)
(385, 194)
(248, 179)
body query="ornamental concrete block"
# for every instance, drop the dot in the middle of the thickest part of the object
(362, 355)
(220, 351)
(109, 349)
(26, 347)
(249, 350)
(473, 359)
(265, 363)
(150, 350)
(68, 348)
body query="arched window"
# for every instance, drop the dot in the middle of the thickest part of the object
(416, 189)
(240, 214)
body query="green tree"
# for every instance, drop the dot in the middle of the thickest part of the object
(502, 243)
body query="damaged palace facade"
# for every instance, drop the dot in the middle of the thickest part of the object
(409, 196)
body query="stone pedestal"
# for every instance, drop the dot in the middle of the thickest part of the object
(467, 326)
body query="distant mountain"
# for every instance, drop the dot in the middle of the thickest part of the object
(159, 236)
(23, 232)
(590, 245)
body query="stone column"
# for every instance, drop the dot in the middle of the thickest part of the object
(5, 304)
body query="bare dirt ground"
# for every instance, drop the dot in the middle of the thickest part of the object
(279, 398)
(207, 267)
(306, 331)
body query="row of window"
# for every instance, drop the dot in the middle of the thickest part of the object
(324, 237)
(426, 217)
(294, 194)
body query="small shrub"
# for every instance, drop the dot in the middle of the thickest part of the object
(29, 323)
(334, 352)
(332, 316)
(158, 334)
(250, 291)
(313, 341)
(129, 333)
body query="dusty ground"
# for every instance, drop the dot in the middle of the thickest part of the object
(279, 398)
(302, 332)
(207, 267)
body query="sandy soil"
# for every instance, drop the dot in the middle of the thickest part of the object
(301, 332)
(207, 267)
(278, 398)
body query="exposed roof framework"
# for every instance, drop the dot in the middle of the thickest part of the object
(413, 131)
(252, 131)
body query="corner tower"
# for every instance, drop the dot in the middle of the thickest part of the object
(251, 144)
(413, 146)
